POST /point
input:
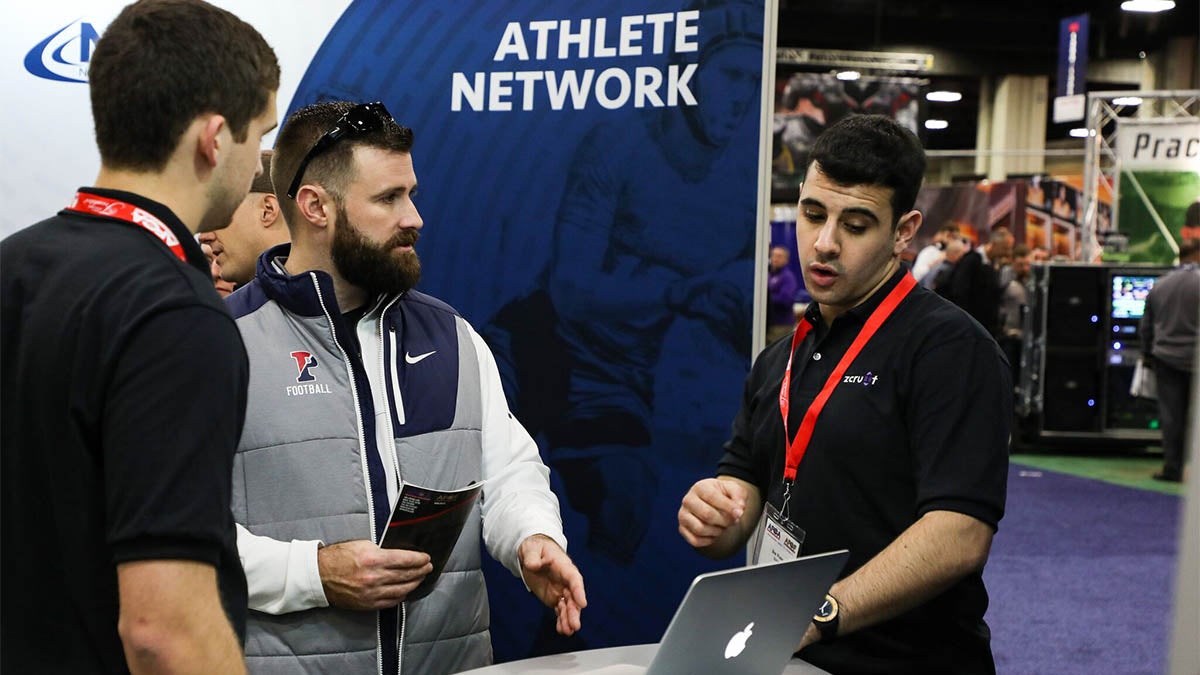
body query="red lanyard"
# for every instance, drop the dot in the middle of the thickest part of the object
(799, 445)
(86, 202)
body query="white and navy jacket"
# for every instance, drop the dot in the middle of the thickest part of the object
(330, 435)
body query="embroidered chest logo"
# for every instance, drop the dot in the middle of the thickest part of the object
(304, 363)
(306, 380)
(413, 360)
(865, 380)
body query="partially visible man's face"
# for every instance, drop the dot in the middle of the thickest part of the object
(779, 257)
(1000, 249)
(847, 244)
(211, 249)
(1020, 267)
(955, 249)
(241, 242)
(377, 223)
(233, 175)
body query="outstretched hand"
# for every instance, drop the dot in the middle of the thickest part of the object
(550, 575)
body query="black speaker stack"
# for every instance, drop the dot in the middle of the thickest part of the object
(1080, 344)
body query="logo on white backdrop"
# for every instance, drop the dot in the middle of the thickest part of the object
(65, 54)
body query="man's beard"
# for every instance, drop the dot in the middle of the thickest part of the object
(374, 268)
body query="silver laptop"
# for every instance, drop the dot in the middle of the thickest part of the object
(746, 621)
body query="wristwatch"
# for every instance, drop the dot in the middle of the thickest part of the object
(826, 618)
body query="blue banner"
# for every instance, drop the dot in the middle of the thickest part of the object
(1072, 56)
(588, 181)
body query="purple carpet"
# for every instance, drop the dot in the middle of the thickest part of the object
(1080, 576)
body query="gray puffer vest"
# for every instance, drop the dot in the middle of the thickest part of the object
(307, 468)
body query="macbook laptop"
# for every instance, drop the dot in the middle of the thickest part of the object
(745, 621)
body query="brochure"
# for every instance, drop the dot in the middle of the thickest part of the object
(429, 521)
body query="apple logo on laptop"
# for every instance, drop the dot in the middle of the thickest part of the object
(738, 642)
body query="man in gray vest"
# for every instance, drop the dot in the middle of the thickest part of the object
(360, 385)
(1169, 327)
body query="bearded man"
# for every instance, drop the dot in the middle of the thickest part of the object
(358, 385)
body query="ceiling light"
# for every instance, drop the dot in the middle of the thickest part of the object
(1081, 132)
(944, 96)
(849, 75)
(936, 124)
(1147, 5)
(1127, 100)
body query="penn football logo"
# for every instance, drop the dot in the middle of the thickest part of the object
(305, 362)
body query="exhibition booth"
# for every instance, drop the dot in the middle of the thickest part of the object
(578, 161)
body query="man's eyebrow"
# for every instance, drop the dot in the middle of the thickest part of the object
(862, 210)
(395, 189)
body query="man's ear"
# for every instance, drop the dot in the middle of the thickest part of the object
(315, 205)
(268, 210)
(209, 142)
(906, 229)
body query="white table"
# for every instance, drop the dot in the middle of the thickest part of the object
(592, 659)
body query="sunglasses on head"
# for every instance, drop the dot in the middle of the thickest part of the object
(361, 119)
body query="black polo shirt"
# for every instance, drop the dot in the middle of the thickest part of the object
(919, 423)
(123, 395)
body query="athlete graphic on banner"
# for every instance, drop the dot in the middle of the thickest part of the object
(579, 353)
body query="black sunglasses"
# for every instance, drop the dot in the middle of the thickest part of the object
(361, 119)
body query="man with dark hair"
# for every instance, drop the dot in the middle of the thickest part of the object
(1012, 308)
(1169, 332)
(257, 225)
(118, 543)
(975, 282)
(359, 385)
(930, 257)
(781, 295)
(883, 454)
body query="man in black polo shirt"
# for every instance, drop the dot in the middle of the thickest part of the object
(897, 452)
(124, 377)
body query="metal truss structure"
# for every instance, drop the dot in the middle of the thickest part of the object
(852, 60)
(1102, 163)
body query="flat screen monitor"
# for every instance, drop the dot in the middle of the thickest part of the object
(1129, 295)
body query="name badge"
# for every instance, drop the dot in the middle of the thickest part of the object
(780, 540)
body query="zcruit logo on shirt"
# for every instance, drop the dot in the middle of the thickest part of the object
(865, 380)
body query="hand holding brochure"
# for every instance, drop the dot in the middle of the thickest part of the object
(429, 521)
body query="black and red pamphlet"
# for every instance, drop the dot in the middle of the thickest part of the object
(429, 521)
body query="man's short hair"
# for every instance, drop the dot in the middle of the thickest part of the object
(1191, 217)
(1020, 251)
(162, 63)
(262, 182)
(949, 228)
(1189, 248)
(333, 168)
(873, 150)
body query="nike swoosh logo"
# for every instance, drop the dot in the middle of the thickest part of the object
(410, 359)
